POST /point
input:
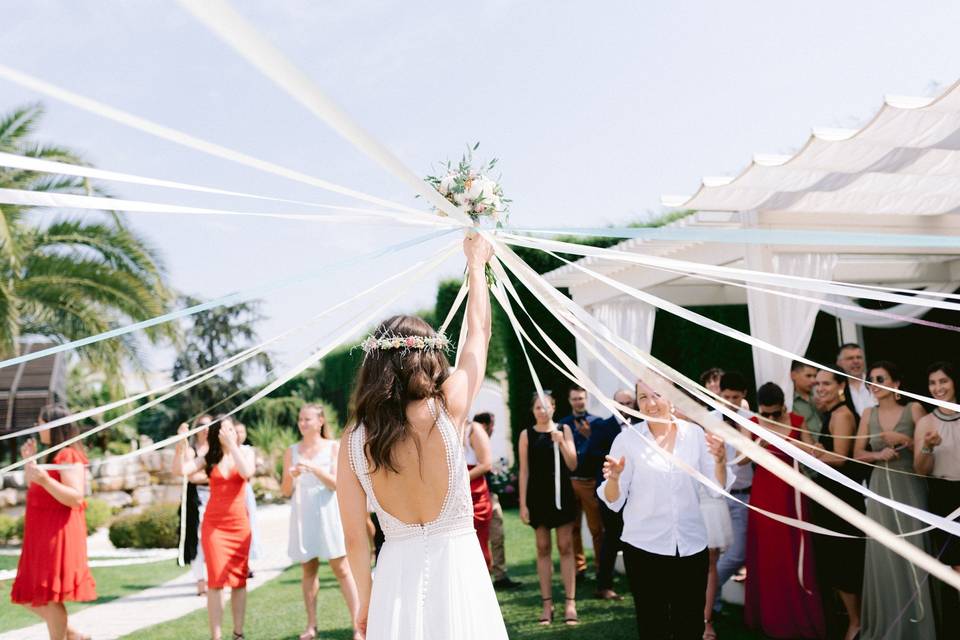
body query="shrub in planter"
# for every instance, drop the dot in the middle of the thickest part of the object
(156, 527)
(98, 513)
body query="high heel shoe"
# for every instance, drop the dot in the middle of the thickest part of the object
(574, 619)
(545, 619)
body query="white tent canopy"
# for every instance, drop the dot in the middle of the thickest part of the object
(899, 174)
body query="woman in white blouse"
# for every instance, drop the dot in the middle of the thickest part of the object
(665, 540)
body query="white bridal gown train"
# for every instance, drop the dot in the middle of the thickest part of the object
(431, 581)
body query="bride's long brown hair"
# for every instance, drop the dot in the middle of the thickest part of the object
(388, 381)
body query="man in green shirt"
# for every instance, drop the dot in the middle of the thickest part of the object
(804, 376)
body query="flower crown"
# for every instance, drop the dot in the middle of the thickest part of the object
(405, 343)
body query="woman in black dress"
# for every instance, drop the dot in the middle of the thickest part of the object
(538, 503)
(839, 561)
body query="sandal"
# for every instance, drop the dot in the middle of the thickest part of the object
(237, 636)
(544, 619)
(574, 619)
(309, 634)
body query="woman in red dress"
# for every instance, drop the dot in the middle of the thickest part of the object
(476, 452)
(225, 532)
(53, 561)
(782, 598)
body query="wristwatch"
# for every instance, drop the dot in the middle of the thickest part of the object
(927, 450)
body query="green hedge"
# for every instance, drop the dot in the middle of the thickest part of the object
(98, 513)
(156, 527)
(10, 527)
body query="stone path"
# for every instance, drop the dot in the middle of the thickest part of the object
(177, 597)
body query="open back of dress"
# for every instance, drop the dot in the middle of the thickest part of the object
(431, 581)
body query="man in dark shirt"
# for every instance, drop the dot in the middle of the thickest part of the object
(584, 479)
(603, 433)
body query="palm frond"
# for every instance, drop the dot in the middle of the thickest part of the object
(18, 124)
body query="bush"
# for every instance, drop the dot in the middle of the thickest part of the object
(98, 513)
(273, 439)
(156, 527)
(8, 527)
(118, 447)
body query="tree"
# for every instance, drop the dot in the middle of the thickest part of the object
(72, 278)
(212, 337)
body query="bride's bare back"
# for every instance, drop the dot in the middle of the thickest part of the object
(416, 493)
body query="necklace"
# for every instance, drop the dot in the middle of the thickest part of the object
(951, 417)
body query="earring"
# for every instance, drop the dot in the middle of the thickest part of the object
(843, 396)
(896, 396)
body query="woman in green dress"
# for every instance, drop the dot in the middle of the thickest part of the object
(896, 594)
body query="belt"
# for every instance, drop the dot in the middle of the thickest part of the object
(746, 491)
(582, 478)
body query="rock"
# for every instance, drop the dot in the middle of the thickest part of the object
(14, 480)
(143, 496)
(9, 498)
(116, 499)
(107, 484)
(136, 480)
(111, 468)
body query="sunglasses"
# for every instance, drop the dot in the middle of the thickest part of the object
(772, 415)
(877, 379)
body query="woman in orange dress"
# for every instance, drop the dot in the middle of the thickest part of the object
(53, 561)
(225, 533)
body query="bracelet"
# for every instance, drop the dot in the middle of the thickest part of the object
(927, 450)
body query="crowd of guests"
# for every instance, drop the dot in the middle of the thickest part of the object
(629, 479)
(807, 572)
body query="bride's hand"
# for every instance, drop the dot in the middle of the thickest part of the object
(360, 621)
(477, 250)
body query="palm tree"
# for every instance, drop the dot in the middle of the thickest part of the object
(72, 277)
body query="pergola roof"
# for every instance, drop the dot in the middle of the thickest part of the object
(899, 174)
(906, 160)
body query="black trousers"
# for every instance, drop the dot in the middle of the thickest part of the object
(612, 528)
(668, 593)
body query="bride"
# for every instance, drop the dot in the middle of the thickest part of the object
(403, 458)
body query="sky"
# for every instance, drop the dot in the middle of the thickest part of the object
(594, 111)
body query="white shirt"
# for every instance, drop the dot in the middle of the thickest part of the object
(661, 509)
(742, 474)
(861, 395)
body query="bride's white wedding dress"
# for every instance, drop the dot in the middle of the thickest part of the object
(431, 581)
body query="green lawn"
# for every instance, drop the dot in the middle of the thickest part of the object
(112, 583)
(275, 610)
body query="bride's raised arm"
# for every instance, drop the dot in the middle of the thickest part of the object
(462, 386)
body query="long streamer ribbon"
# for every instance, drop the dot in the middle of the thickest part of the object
(225, 300)
(27, 163)
(762, 457)
(21, 197)
(414, 272)
(237, 32)
(724, 330)
(184, 139)
(812, 237)
(884, 294)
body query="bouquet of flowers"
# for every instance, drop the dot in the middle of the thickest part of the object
(480, 196)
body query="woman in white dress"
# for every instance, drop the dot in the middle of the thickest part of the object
(402, 454)
(310, 476)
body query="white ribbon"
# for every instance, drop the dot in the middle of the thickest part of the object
(184, 139)
(181, 546)
(886, 294)
(72, 201)
(764, 458)
(415, 272)
(237, 32)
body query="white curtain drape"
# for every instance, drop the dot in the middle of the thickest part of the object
(631, 320)
(784, 322)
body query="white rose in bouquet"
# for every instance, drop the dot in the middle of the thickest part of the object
(446, 183)
(475, 188)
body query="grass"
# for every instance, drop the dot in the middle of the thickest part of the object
(112, 583)
(275, 610)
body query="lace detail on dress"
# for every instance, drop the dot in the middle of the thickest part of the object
(456, 513)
